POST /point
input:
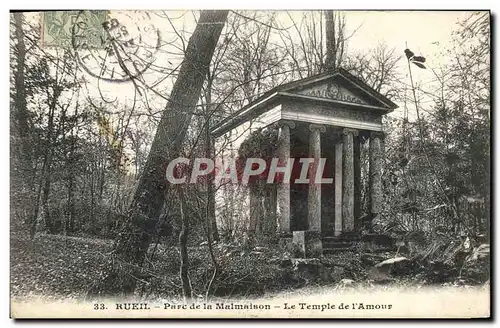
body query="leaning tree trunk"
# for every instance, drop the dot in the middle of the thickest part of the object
(136, 232)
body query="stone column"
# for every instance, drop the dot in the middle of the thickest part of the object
(314, 198)
(283, 189)
(308, 243)
(357, 182)
(338, 187)
(376, 158)
(348, 180)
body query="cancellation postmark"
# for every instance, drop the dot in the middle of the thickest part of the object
(124, 48)
(112, 46)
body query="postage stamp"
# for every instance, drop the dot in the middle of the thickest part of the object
(61, 28)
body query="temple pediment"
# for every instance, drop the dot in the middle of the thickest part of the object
(338, 86)
(332, 91)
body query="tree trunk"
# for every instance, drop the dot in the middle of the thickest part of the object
(70, 215)
(135, 234)
(212, 222)
(330, 61)
(183, 238)
(44, 224)
(69, 224)
(210, 153)
(335, 39)
(71, 206)
(21, 112)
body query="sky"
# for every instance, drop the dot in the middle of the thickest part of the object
(419, 29)
(426, 33)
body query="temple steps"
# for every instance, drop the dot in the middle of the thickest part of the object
(342, 243)
(327, 251)
(355, 242)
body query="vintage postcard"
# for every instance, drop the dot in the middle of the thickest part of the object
(250, 164)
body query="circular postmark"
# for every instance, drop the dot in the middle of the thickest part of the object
(117, 49)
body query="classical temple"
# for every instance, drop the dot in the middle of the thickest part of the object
(330, 115)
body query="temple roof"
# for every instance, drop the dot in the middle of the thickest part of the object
(332, 88)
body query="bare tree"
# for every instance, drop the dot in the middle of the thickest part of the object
(378, 67)
(335, 27)
(314, 47)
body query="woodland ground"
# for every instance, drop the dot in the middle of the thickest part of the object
(58, 267)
